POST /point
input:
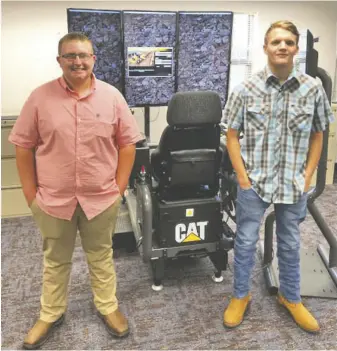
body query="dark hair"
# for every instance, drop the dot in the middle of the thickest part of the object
(73, 36)
(287, 25)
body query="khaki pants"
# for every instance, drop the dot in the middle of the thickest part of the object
(59, 238)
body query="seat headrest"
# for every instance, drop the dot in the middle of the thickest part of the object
(194, 107)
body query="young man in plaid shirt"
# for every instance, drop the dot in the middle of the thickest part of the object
(283, 114)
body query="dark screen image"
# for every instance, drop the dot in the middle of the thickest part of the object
(149, 30)
(104, 30)
(204, 52)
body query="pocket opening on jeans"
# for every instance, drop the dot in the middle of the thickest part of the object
(32, 203)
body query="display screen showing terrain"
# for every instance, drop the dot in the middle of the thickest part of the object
(204, 52)
(149, 42)
(103, 27)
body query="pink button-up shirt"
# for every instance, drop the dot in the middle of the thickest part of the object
(76, 142)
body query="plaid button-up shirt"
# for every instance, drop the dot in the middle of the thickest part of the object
(277, 121)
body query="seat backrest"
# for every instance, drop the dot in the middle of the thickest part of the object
(187, 160)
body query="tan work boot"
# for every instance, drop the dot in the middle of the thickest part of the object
(40, 333)
(116, 323)
(235, 311)
(302, 317)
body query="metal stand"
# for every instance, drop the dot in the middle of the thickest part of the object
(317, 279)
(147, 122)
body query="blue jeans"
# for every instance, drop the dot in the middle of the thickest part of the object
(250, 210)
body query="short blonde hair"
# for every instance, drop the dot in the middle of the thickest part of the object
(73, 36)
(287, 25)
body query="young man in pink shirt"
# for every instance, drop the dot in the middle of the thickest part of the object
(75, 147)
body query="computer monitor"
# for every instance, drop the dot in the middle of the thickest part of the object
(149, 54)
(204, 52)
(103, 27)
(311, 56)
(307, 57)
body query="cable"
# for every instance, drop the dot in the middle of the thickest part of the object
(153, 120)
(225, 221)
(264, 266)
(139, 242)
(258, 271)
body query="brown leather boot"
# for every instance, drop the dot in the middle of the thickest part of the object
(235, 311)
(302, 317)
(40, 333)
(116, 323)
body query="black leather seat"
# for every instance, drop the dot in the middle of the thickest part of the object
(187, 160)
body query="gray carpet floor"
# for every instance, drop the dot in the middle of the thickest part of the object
(186, 314)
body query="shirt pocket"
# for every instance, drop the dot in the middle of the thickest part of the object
(257, 117)
(300, 118)
(104, 130)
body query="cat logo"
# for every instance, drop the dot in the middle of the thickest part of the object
(189, 212)
(193, 232)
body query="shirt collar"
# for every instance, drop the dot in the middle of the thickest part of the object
(269, 76)
(65, 85)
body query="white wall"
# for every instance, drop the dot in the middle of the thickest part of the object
(334, 95)
(31, 30)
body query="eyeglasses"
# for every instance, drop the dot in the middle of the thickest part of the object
(83, 56)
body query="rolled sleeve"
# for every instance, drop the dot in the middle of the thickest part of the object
(233, 113)
(128, 131)
(323, 112)
(25, 131)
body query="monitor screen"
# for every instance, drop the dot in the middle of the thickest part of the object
(103, 27)
(150, 62)
(149, 52)
(204, 52)
(311, 56)
(306, 60)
